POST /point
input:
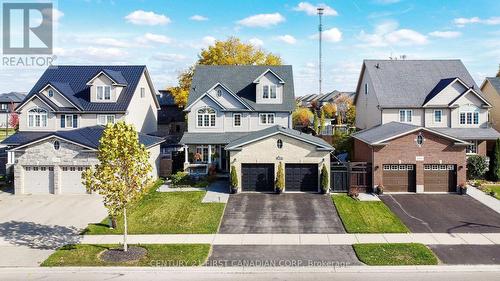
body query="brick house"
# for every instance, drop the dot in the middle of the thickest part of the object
(420, 121)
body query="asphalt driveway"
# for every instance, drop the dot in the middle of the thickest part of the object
(467, 254)
(443, 213)
(282, 255)
(283, 213)
(33, 226)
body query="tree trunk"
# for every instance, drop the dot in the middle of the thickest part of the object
(112, 221)
(125, 246)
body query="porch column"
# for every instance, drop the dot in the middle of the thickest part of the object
(209, 154)
(186, 154)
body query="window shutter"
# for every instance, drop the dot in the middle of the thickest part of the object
(63, 121)
(75, 121)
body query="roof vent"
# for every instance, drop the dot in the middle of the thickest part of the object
(377, 65)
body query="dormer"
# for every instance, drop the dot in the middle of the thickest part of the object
(269, 88)
(452, 90)
(106, 86)
(57, 93)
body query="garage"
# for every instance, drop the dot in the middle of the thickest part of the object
(399, 178)
(440, 178)
(39, 179)
(301, 177)
(71, 180)
(257, 177)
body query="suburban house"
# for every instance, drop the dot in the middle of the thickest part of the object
(491, 91)
(240, 116)
(171, 123)
(8, 102)
(62, 119)
(420, 119)
(332, 97)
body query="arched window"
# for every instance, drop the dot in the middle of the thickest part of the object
(279, 143)
(469, 115)
(420, 140)
(205, 117)
(37, 118)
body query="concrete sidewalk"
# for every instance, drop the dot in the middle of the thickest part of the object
(484, 198)
(300, 239)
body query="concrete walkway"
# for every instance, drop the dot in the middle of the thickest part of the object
(300, 239)
(217, 192)
(484, 198)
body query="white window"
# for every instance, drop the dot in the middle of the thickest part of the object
(4, 106)
(103, 92)
(269, 92)
(472, 148)
(205, 117)
(438, 116)
(143, 92)
(69, 121)
(105, 119)
(37, 118)
(405, 116)
(469, 115)
(266, 118)
(202, 151)
(265, 92)
(273, 91)
(237, 120)
(51, 93)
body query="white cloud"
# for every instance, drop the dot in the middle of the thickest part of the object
(203, 43)
(198, 18)
(110, 42)
(311, 9)
(57, 15)
(489, 21)
(288, 39)
(154, 38)
(141, 17)
(208, 40)
(330, 35)
(387, 33)
(169, 57)
(262, 20)
(92, 53)
(256, 42)
(384, 2)
(445, 34)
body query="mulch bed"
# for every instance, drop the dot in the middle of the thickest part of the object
(118, 255)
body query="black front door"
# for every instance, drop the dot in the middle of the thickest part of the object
(257, 177)
(301, 177)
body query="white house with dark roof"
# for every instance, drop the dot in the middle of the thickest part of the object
(419, 121)
(241, 116)
(62, 119)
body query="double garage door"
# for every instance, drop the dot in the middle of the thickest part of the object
(402, 178)
(261, 177)
(40, 180)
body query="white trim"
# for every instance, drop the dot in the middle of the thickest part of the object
(381, 142)
(104, 87)
(275, 133)
(104, 73)
(106, 116)
(52, 86)
(210, 97)
(28, 115)
(52, 136)
(465, 93)
(267, 119)
(440, 116)
(203, 118)
(475, 143)
(257, 80)
(449, 84)
(406, 116)
(225, 88)
(34, 95)
(241, 120)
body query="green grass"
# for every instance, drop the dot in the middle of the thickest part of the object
(493, 190)
(395, 254)
(367, 216)
(157, 255)
(167, 213)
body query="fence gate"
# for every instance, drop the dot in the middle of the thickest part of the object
(350, 174)
(339, 177)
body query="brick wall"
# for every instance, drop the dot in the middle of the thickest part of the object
(362, 152)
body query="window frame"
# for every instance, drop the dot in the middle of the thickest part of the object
(440, 116)
(265, 92)
(472, 149)
(143, 92)
(38, 115)
(73, 120)
(267, 118)
(102, 96)
(405, 115)
(206, 119)
(469, 117)
(50, 93)
(107, 118)
(234, 120)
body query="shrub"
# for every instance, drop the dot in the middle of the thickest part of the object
(495, 163)
(324, 180)
(234, 179)
(179, 177)
(476, 166)
(280, 179)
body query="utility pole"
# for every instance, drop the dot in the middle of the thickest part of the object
(320, 29)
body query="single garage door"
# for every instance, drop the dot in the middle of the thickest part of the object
(399, 178)
(39, 179)
(301, 177)
(257, 177)
(440, 178)
(71, 180)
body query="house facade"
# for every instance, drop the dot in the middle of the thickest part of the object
(491, 90)
(419, 120)
(240, 116)
(62, 119)
(8, 102)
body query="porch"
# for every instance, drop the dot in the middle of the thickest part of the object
(199, 158)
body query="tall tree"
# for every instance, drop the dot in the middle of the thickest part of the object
(495, 163)
(330, 110)
(229, 52)
(316, 122)
(122, 176)
(302, 117)
(321, 121)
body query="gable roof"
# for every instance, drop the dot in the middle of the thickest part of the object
(274, 130)
(13, 97)
(71, 81)
(239, 79)
(88, 137)
(165, 98)
(495, 82)
(378, 135)
(408, 83)
(257, 80)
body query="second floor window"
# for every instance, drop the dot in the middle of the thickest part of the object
(438, 116)
(105, 119)
(269, 91)
(266, 118)
(69, 121)
(104, 93)
(37, 118)
(469, 118)
(405, 116)
(205, 117)
(237, 120)
(143, 92)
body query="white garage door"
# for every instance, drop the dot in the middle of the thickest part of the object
(39, 179)
(71, 180)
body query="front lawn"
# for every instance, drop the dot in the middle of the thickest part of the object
(493, 190)
(367, 216)
(395, 254)
(157, 255)
(167, 213)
